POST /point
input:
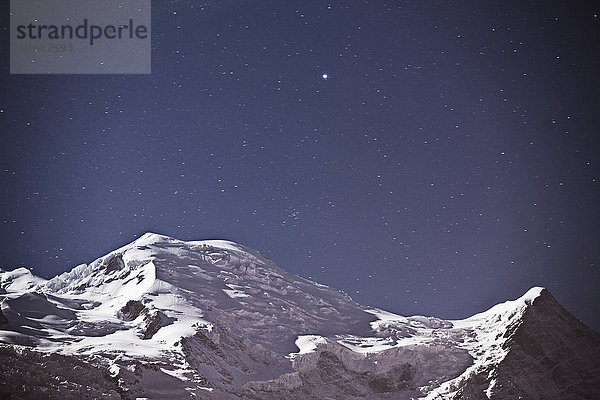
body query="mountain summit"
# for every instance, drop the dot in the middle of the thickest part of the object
(166, 319)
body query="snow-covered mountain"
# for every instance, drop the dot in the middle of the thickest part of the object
(166, 319)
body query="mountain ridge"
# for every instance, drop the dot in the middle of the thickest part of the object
(164, 318)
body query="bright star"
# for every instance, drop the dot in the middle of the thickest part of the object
(325, 76)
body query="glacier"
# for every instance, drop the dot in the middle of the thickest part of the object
(213, 319)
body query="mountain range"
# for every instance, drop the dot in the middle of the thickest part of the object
(162, 318)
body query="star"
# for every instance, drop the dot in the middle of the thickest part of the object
(416, 153)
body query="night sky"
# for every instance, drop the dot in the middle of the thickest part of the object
(425, 157)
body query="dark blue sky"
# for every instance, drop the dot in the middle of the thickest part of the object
(449, 161)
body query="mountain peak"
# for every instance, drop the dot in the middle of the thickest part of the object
(532, 294)
(214, 319)
(149, 238)
(18, 280)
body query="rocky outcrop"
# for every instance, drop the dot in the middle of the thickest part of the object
(114, 264)
(153, 319)
(551, 356)
(132, 310)
(3, 319)
(30, 375)
(333, 368)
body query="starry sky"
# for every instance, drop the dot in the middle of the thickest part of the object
(426, 157)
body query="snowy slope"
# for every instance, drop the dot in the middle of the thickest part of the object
(213, 319)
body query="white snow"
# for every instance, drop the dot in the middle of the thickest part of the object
(150, 238)
(366, 345)
(102, 294)
(221, 244)
(489, 390)
(235, 291)
(19, 280)
(484, 344)
(114, 370)
(96, 295)
(307, 344)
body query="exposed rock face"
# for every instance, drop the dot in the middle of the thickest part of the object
(114, 264)
(3, 319)
(551, 355)
(35, 376)
(153, 320)
(334, 369)
(132, 310)
(161, 318)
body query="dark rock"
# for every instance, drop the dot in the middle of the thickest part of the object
(3, 319)
(132, 310)
(153, 324)
(30, 375)
(396, 379)
(551, 356)
(114, 264)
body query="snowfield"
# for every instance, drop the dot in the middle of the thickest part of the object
(225, 322)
